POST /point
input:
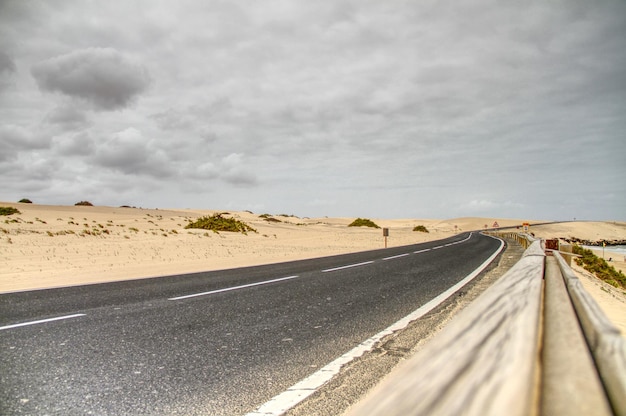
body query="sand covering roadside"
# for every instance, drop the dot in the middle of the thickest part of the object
(50, 246)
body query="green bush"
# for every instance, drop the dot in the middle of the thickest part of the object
(363, 222)
(217, 222)
(84, 203)
(599, 267)
(420, 228)
(25, 201)
(9, 211)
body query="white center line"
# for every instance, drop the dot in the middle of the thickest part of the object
(395, 257)
(421, 251)
(438, 247)
(233, 288)
(58, 318)
(348, 266)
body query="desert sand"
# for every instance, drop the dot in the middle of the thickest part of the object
(52, 246)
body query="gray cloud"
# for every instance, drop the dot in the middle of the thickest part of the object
(16, 139)
(7, 66)
(104, 77)
(7, 70)
(68, 117)
(369, 108)
(129, 152)
(79, 144)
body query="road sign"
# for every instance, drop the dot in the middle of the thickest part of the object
(495, 224)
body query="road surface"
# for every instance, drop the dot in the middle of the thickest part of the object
(218, 343)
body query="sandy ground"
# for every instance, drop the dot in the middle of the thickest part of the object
(51, 246)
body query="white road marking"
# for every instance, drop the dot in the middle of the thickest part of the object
(233, 288)
(284, 401)
(421, 251)
(348, 266)
(395, 257)
(438, 247)
(58, 318)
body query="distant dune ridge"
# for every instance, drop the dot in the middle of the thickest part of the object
(50, 246)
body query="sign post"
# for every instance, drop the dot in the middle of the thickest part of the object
(385, 234)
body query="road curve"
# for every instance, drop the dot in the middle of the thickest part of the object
(219, 343)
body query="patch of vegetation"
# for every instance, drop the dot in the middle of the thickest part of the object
(25, 201)
(420, 228)
(269, 218)
(599, 267)
(9, 211)
(64, 232)
(84, 204)
(363, 222)
(217, 223)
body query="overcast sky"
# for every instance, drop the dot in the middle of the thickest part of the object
(379, 109)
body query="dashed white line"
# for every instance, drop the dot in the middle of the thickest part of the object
(233, 288)
(58, 318)
(438, 247)
(395, 257)
(348, 266)
(295, 394)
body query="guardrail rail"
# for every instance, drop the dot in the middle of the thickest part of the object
(534, 343)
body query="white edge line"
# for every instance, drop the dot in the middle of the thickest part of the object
(58, 318)
(348, 266)
(284, 401)
(233, 288)
(395, 257)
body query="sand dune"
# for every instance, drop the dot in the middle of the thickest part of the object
(50, 246)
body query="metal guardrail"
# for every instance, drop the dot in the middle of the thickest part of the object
(522, 348)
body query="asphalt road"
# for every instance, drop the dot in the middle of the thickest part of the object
(146, 347)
